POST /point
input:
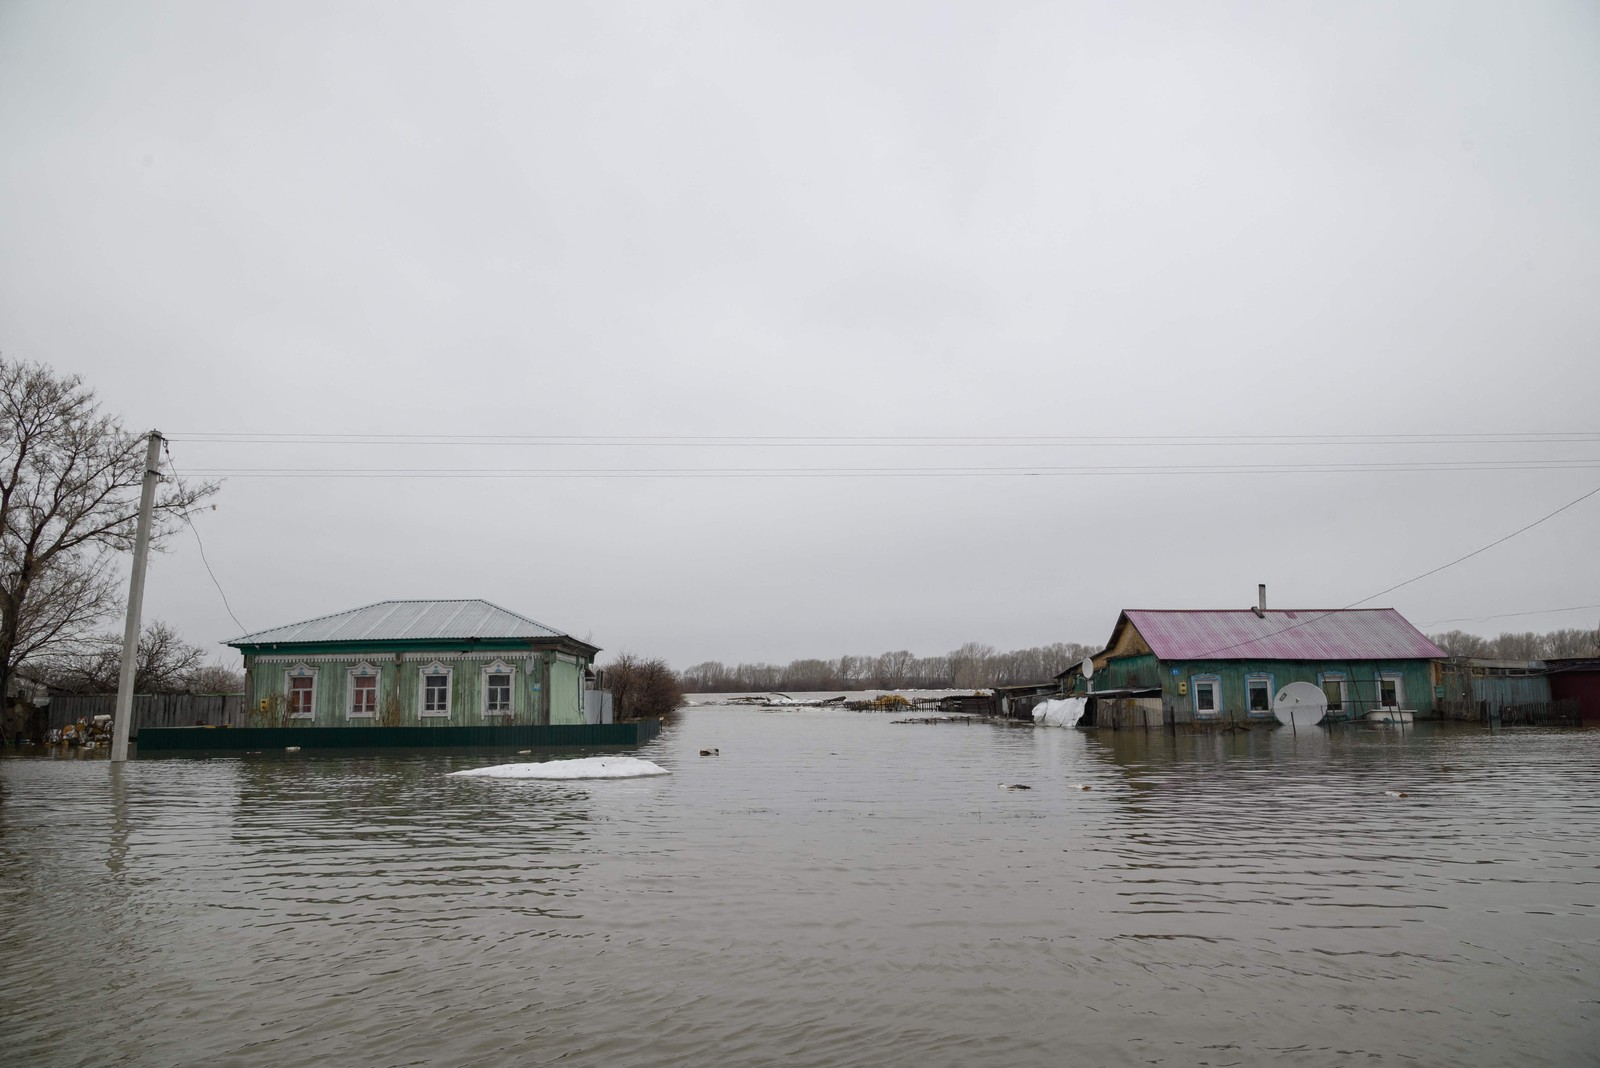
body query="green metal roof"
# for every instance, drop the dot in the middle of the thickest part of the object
(407, 621)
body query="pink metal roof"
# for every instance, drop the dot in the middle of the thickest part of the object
(1295, 634)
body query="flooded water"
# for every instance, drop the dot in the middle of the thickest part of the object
(833, 889)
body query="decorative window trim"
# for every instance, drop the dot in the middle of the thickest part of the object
(435, 668)
(361, 670)
(1213, 681)
(1343, 680)
(498, 667)
(1252, 679)
(300, 671)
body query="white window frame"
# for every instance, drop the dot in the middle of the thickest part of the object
(499, 667)
(1252, 679)
(300, 671)
(1344, 688)
(1399, 689)
(362, 670)
(435, 668)
(1213, 681)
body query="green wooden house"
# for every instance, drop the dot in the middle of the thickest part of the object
(1198, 667)
(417, 664)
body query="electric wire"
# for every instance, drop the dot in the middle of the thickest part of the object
(1401, 467)
(184, 512)
(1418, 578)
(887, 440)
(1509, 615)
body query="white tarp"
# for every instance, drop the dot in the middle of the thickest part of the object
(579, 768)
(1064, 713)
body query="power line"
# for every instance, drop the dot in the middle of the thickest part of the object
(888, 440)
(1508, 615)
(1407, 582)
(1401, 467)
(198, 541)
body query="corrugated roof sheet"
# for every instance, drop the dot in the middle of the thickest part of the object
(1295, 634)
(407, 620)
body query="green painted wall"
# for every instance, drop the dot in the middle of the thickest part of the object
(566, 692)
(533, 701)
(1361, 678)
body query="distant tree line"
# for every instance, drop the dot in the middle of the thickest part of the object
(1528, 645)
(972, 666)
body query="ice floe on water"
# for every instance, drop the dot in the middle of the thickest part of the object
(577, 768)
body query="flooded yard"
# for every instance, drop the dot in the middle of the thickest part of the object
(831, 888)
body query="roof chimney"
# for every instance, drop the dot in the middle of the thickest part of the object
(1261, 600)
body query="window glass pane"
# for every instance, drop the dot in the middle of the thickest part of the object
(1260, 696)
(1386, 693)
(1333, 689)
(1205, 696)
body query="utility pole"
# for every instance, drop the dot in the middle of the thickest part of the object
(130, 634)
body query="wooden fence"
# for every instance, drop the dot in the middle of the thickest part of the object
(152, 710)
(1564, 713)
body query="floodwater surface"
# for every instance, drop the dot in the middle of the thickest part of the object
(833, 889)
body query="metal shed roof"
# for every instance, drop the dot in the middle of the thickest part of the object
(407, 621)
(1282, 634)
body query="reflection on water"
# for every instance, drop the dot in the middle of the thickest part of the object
(834, 889)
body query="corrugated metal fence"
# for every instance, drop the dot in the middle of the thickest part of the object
(152, 710)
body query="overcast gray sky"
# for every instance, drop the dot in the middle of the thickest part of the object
(828, 220)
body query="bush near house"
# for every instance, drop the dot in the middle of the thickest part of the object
(642, 687)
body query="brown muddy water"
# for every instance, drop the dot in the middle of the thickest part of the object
(833, 889)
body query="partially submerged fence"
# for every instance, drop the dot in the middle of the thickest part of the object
(152, 710)
(1563, 713)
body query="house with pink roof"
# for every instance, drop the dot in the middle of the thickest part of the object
(1226, 666)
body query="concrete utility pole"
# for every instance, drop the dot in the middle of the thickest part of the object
(130, 635)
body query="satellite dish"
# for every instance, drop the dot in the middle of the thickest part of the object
(1300, 704)
(1087, 667)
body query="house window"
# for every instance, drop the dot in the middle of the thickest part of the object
(1333, 688)
(1207, 695)
(1391, 691)
(1258, 693)
(301, 688)
(363, 691)
(497, 689)
(435, 690)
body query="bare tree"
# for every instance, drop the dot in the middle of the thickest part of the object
(214, 678)
(642, 687)
(69, 496)
(1459, 643)
(165, 663)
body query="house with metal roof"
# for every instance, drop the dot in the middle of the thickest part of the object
(1227, 666)
(417, 663)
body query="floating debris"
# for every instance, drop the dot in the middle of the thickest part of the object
(1015, 786)
(1395, 793)
(710, 752)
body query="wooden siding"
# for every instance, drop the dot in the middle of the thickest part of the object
(1361, 679)
(551, 692)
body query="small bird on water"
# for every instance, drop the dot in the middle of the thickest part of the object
(1395, 793)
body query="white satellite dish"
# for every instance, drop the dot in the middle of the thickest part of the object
(1087, 667)
(1300, 704)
